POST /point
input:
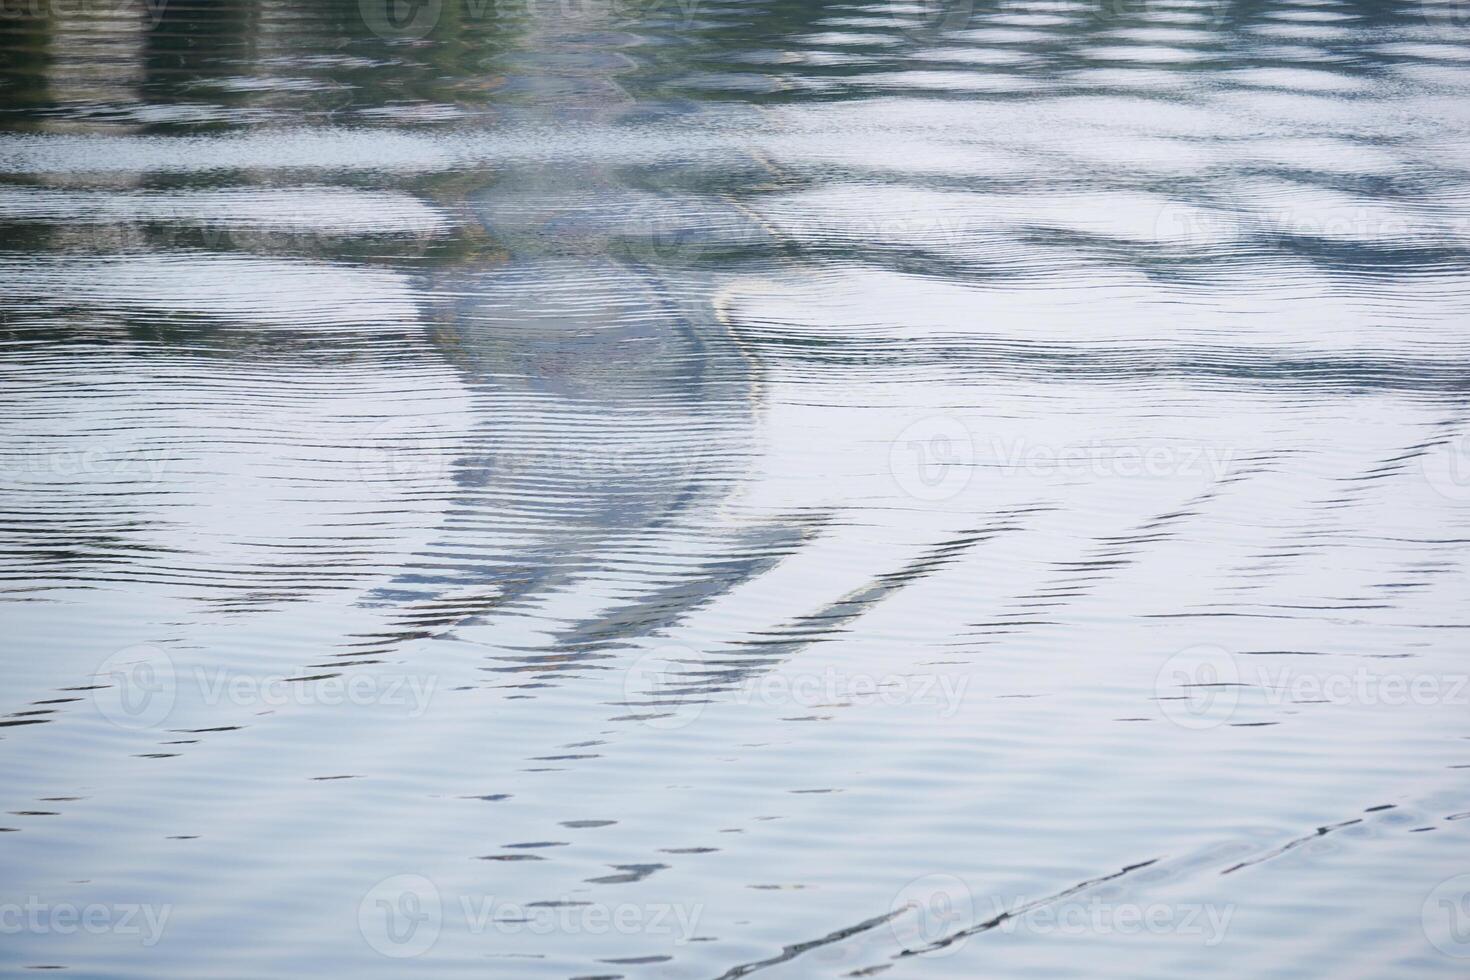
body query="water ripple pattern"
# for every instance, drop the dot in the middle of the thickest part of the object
(695, 488)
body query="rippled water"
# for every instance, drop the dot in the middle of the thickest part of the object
(690, 488)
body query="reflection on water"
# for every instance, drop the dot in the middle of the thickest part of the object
(690, 488)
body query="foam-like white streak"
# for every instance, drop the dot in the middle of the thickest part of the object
(321, 210)
(250, 290)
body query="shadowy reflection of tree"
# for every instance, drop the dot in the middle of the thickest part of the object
(193, 40)
(25, 64)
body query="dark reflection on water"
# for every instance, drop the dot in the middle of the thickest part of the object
(687, 489)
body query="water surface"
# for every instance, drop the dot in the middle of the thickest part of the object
(692, 488)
